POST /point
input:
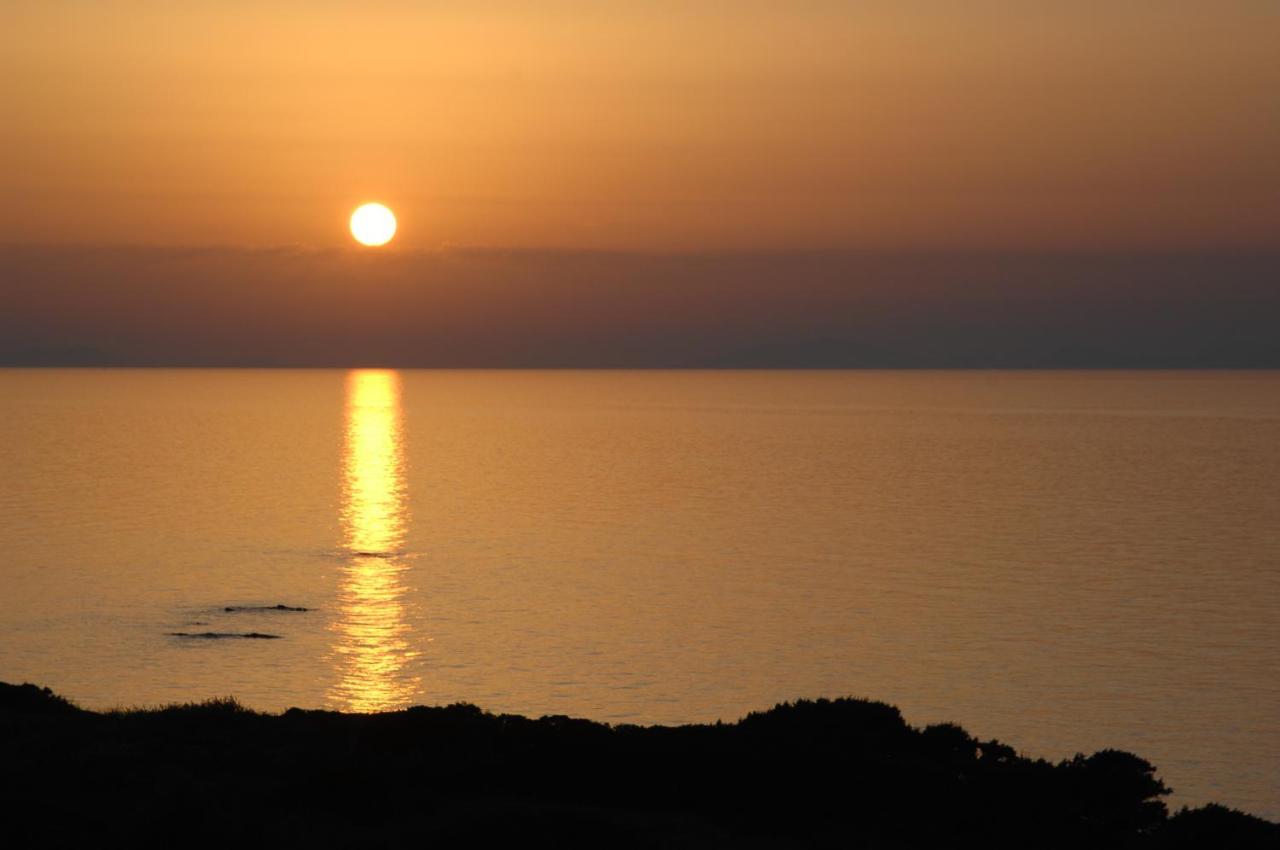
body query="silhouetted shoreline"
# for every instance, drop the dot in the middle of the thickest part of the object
(848, 773)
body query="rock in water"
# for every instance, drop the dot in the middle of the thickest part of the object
(221, 635)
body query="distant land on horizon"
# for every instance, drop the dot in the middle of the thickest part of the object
(494, 308)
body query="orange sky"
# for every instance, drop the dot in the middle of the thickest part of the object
(668, 126)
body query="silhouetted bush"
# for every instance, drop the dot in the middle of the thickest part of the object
(29, 699)
(1217, 826)
(846, 773)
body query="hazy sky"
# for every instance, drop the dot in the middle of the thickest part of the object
(656, 125)
(914, 182)
(336, 307)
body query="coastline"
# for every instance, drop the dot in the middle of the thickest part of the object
(844, 772)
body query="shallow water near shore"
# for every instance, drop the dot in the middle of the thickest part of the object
(1065, 561)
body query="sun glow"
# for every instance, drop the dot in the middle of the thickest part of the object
(373, 224)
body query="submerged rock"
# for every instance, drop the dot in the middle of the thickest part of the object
(234, 608)
(221, 635)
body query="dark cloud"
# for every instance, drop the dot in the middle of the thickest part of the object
(482, 308)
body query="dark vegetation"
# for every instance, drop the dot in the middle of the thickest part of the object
(847, 773)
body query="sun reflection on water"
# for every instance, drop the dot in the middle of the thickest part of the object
(373, 646)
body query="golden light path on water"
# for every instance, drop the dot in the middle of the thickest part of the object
(373, 645)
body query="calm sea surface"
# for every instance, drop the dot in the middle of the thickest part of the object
(1065, 561)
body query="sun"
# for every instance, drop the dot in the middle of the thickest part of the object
(373, 224)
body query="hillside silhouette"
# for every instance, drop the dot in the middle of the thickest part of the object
(824, 773)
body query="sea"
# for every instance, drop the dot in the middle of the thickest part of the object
(1064, 561)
